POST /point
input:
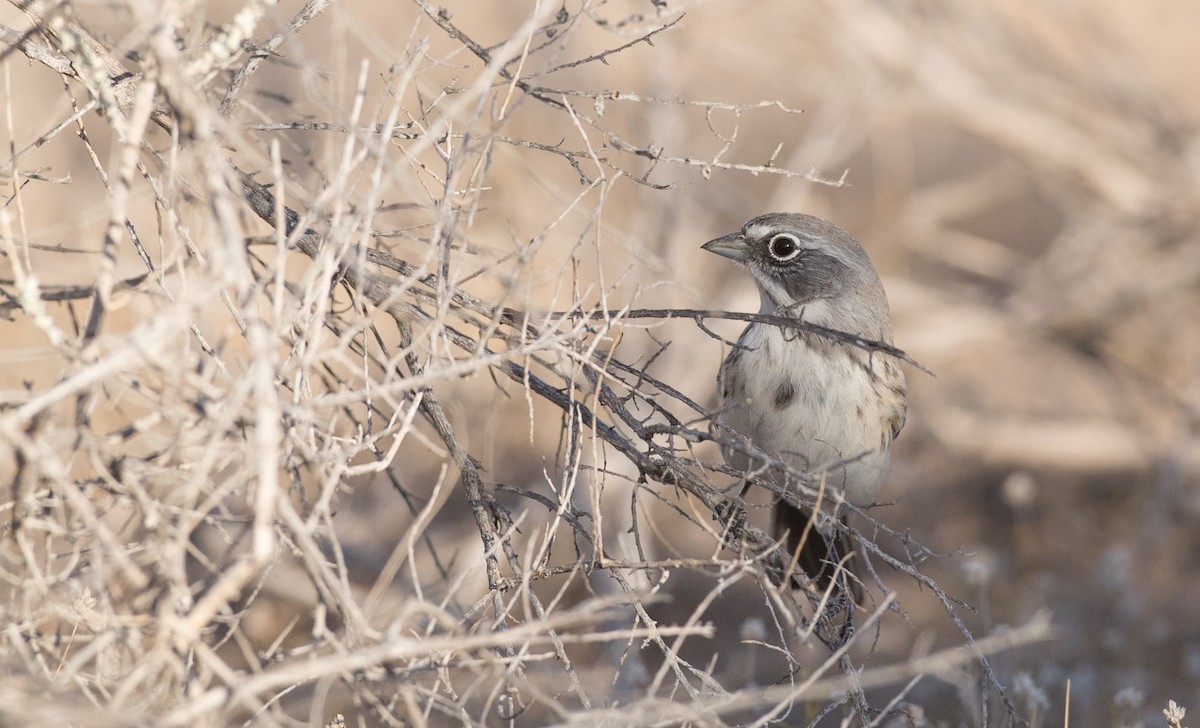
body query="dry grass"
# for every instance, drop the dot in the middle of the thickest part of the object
(340, 375)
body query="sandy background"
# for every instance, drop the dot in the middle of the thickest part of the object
(1023, 174)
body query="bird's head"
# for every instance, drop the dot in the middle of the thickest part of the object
(801, 261)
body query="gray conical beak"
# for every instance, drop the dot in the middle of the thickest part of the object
(732, 246)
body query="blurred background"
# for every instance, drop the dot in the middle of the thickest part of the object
(1023, 174)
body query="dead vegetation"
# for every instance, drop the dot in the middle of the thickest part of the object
(358, 361)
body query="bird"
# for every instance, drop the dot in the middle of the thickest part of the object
(824, 406)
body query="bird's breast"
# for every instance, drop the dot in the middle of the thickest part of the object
(818, 405)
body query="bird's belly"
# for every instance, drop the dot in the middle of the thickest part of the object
(817, 408)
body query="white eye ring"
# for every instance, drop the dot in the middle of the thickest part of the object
(783, 247)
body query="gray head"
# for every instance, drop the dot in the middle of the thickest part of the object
(801, 262)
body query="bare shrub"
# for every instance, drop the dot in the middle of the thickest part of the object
(362, 373)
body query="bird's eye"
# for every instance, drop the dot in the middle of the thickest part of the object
(783, 247)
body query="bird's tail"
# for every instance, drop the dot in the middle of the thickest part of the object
(818, 554)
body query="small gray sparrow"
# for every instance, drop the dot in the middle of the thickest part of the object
(827, 408)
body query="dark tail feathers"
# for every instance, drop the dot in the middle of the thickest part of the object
(819, 554)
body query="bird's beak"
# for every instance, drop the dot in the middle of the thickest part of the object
(732, 246)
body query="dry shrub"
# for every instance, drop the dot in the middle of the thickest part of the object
(360, 359)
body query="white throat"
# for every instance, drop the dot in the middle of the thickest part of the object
(769, 292)
(814, 312)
